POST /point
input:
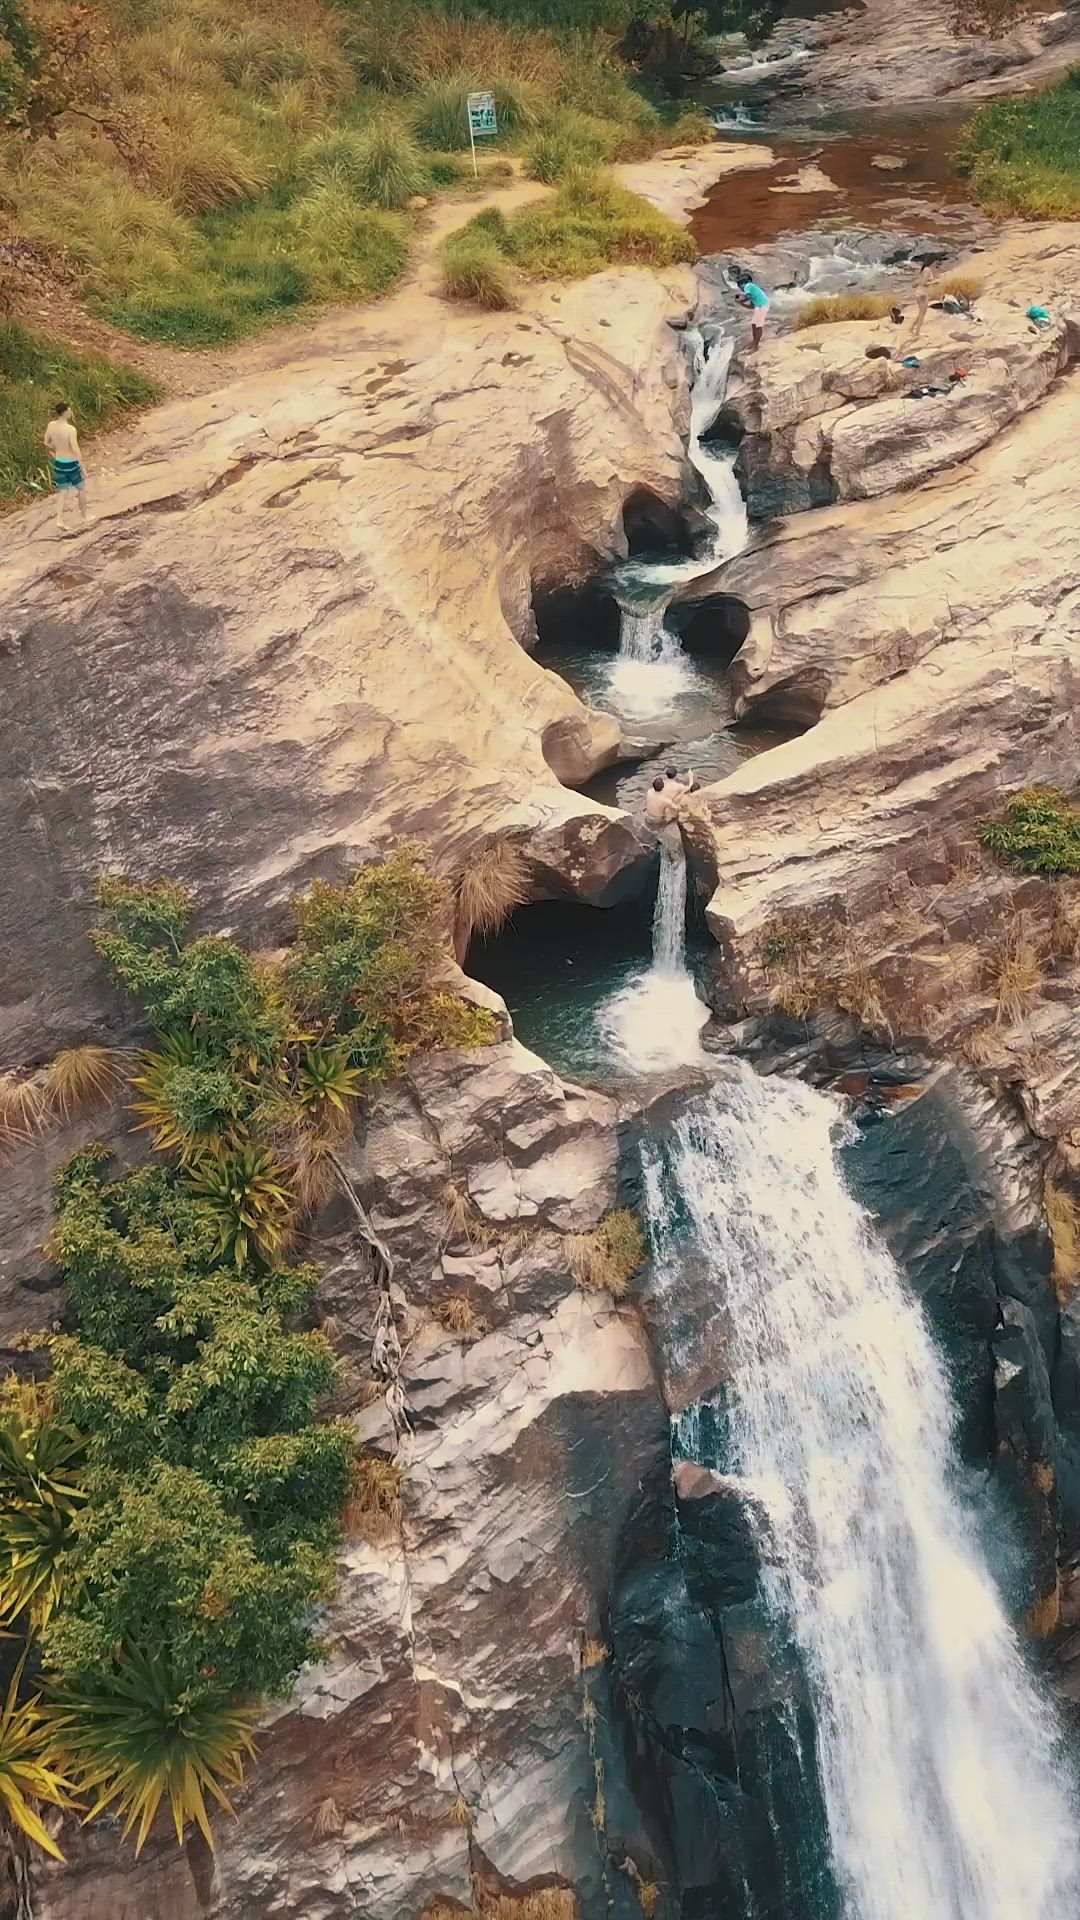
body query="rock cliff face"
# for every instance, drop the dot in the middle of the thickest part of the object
(928, 641)
(445, 1727)
(912, 53)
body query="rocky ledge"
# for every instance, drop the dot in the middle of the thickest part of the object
(925, 641)
(299, 624)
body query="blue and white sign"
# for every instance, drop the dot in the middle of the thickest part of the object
(482, 114)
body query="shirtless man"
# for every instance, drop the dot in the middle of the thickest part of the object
(62, 445)
(662, 803)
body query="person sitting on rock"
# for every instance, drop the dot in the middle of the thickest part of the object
(662, 803)
(677, 783)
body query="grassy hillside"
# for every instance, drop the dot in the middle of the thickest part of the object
(1022, 157)
(191, 171)
(216, 167)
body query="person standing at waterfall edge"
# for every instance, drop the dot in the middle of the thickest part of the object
(757, 300)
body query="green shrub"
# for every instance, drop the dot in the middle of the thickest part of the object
(383, 166)
(1022, 157)
(475, 268)
(692, 128)
(1040, 832)
(571, 140)
(35, 372)
(588, 224)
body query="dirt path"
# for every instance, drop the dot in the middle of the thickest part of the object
(365, 345)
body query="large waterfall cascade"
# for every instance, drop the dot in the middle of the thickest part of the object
(651, 667)
(946, 1793)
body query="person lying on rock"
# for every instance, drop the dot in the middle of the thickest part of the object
(757, 300)
(662, 803)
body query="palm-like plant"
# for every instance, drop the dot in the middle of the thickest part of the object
(326, 1081)
(139, 1738)
(190, 1102)
(41, 1490)
(28, 1773)
(246, 1187)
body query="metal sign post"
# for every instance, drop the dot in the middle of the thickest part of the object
(481, 111)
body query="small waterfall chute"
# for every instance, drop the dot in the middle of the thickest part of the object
(655, 1021)
(651, 670)
(945, 1788)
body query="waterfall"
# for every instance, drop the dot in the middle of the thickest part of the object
(939, 1763)
(644, 589)
(655, 1021)
(669, 914)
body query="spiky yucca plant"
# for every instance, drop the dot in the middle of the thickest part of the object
(326, 1081)
(246, 1187)
(140, 1740)
(29, 1772)
(191, 1103)
(41, 1492)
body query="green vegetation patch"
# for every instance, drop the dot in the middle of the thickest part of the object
(1040, 832)
(1022, 157)
(172, 1498)
(588, 223)
(36, 372)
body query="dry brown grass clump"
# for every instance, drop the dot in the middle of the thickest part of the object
(1063, 1219)
(328, 1820)
(607, 1259)
(545, 1903)
(458, 1315)
(829, 308)
(1064, 928)
(22, 1110)
(80, 1078)
(962, 285)
(593, 1652)
(1016, 971)
(495, 881)
(373, 1509)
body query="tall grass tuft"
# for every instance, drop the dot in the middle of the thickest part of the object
(831, 307)
(382, 166)
(474, 268)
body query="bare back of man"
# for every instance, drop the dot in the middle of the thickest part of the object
(69, 480)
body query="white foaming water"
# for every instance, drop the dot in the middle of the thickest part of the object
(651, 670)
(940, 1764)
(736, 115)
(757, 69)
(655, 1021)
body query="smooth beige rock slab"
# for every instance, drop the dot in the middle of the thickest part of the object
(297, 627)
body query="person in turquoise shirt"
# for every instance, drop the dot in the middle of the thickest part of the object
(757, 300)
